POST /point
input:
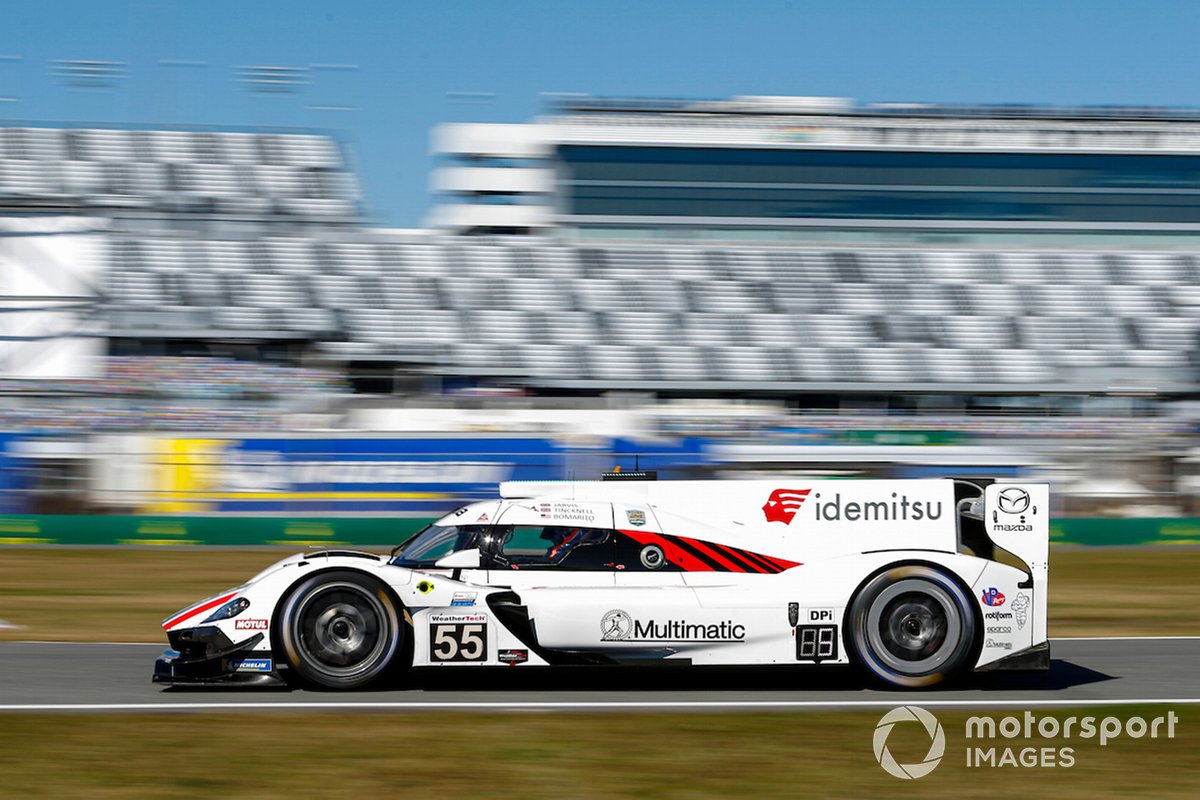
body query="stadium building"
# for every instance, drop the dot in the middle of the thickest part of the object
(827, 170)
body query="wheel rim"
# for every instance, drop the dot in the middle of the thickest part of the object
(341, 629)
(914, 626)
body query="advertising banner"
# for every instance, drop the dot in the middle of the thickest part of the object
(414, 476)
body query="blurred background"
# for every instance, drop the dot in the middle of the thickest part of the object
(334, 274)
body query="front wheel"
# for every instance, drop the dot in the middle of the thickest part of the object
(340, 630)
(912, 626)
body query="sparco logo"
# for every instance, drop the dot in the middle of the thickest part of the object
(619, 626)
(783, 504)
(937, 742)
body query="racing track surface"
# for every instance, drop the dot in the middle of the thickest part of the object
(40, 676)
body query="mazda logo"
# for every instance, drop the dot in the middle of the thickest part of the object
(1013, 500)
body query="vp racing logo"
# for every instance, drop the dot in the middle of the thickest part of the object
(932, 728)
(783, 504)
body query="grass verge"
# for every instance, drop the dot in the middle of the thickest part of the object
(122, 595)
(566, 755)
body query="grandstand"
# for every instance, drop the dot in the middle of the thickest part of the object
(255, 242)
(214, 173)
(688, 317)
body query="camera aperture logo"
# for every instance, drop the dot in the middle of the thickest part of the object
(1024, 741)
(937, 742)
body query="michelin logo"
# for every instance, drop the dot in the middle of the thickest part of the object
(1020, 607)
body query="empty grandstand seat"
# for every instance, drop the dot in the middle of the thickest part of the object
(404, 292)
(269, 290)
(572, 327)
(772, 330)
(177, 171)
(552, 361)
(701, 330)
(625, 312)
(240, 318)
(882, 366)
(500, 326)
(679, 363)
(332, 290)
(614, 362)
(746, 364)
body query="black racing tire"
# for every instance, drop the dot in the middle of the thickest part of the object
(340, 629)
(912, 626)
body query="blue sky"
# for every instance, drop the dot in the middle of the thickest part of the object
(413, 56)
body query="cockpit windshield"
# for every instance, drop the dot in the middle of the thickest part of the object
(434, 542)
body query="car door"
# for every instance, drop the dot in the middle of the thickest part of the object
(551, 544)
(645, 609)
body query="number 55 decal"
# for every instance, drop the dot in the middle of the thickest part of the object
(457, 642)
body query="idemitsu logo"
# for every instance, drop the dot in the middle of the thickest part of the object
(897, 508)
(783, 504)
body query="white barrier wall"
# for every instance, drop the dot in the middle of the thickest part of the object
(51, 269)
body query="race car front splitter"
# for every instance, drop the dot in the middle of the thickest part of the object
(206, 655)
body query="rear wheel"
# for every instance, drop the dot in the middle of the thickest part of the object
(340, 630)
(912, 626)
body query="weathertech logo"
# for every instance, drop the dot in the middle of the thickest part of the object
(783, 504)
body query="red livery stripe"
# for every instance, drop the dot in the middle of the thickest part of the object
(781, 564)
(740, 557)
(694, 555)
(717, 552)
(674, 553)
(200, 609)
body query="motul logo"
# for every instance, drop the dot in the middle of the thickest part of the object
(250, 624)
(783, 504)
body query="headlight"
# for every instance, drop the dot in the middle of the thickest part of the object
(229, 610)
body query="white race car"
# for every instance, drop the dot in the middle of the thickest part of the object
(912, 580)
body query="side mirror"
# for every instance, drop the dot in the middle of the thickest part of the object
(463, 559)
